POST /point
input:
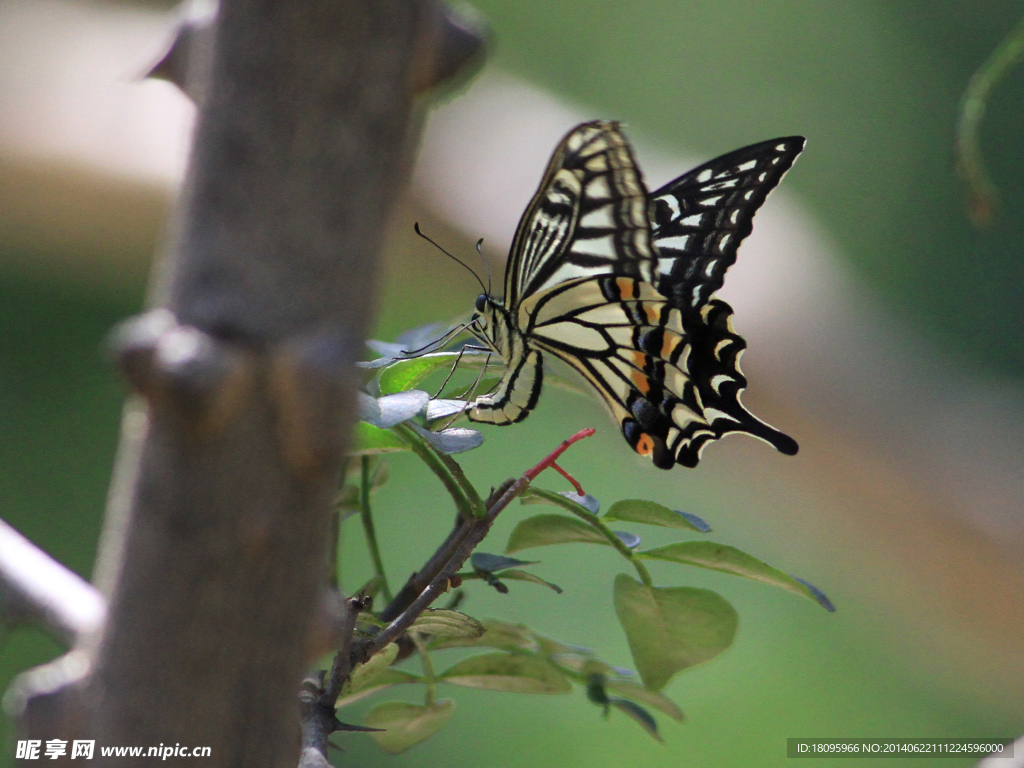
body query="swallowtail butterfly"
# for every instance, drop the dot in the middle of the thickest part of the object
(620, 283)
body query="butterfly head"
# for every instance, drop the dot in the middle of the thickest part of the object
(487, 322)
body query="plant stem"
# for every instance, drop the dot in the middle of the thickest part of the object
(467, 501)
(463, 540)
(422, 578)
(371, 533)
(983, 197)
(341, 668)
(429, 677)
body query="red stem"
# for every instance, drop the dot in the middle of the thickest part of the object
(549, 461)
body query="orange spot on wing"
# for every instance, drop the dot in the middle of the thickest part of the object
(668, 345)
(645, 445)
(653, 312)
(627, 288)
(637, 377)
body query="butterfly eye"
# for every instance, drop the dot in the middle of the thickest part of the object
(481, 302)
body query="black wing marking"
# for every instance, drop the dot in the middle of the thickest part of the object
(700, 219)
(714, 368)
(589, 216)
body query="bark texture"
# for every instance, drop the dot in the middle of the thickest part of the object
(214, 555)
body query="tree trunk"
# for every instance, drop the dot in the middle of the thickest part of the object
(214, 554)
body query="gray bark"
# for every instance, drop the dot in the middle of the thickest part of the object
(214, 554)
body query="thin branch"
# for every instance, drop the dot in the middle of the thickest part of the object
(476, 530)
(419, 580)
(35, 588)
(318, 712)
(366, 514)
(318, 694)
(342, 666)
(983, 197)
(318, 722)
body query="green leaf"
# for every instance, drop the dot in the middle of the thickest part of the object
(385, 679)
(569, 500)
(515, 574)
(672, 628)
(549, 646)
(364, 673)
(447, 624)
(541, 530)
(639, 714)
(381, 474)
(374, 675)
(583, 664)
(652, 513)
(653, 699)
(407, 724)
(508, 672)
(497, 634)
(406, 374)
(368, 439)
(721, 557)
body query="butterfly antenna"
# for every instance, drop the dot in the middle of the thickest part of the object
(487, 267)
(416, 226)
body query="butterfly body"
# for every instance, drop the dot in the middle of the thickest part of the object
(619, 284)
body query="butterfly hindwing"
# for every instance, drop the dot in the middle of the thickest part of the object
(700, 219)
(629, 343)
(589, 216)
(714, 368)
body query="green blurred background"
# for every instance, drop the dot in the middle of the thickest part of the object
(927, 640)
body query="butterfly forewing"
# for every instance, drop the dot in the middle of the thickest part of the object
(588, 217)
(700, 219)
